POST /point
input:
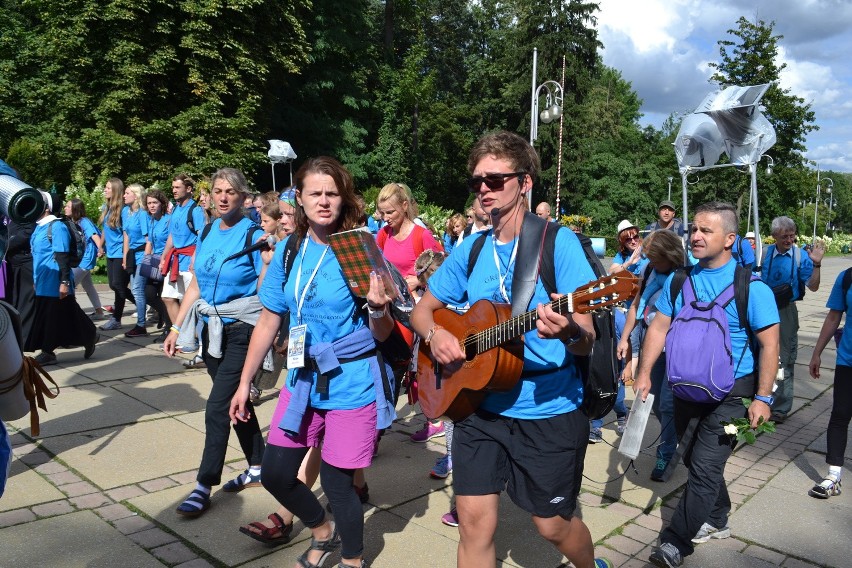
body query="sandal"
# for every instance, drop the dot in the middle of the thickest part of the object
(194, 363)
(327, 547)
(278, 533)
(242, 481)
(194, 505)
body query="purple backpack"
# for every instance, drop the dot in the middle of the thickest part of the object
(699, 362)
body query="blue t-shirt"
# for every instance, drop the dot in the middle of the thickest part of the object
(779, 269)
(449, 242)
(709, 283)
(45, 268)
(181, 235)
(541, 395)
(157, 233)
(134, 226)
(637, 268)
(220, 282)
(330, 312)
(836, 301)
(653, 286)
(91, 254)
(114, 236)
(743, 252)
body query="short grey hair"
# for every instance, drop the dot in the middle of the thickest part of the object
(726, 211)
(782, 224)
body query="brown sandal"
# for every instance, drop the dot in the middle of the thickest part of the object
(277, 534)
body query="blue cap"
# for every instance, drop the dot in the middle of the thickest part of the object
(288, 196)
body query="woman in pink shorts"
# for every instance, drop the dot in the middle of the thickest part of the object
(341, 394)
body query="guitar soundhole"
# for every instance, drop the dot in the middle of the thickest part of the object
(470, 352)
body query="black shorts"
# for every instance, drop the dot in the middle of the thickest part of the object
(538, 462)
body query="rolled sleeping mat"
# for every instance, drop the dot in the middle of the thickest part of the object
(13, 403)
(20, 201)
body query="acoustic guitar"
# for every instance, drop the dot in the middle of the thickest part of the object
(492, 341)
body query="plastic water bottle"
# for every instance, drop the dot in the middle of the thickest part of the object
(634, 431)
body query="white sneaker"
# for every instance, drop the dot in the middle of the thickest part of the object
(708, 531)
(111, 325)
(828, 487)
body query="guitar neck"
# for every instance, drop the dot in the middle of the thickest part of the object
(516, 326)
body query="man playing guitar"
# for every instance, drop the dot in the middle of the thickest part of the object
(530, 440)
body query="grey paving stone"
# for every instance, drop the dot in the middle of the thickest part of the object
(25, 488)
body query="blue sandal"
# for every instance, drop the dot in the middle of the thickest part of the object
(242, 481)
(194, 505)
(327, 547)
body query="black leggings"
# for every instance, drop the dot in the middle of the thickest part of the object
(841, 414)
(118, 283)
(153, 298)
(279, 470)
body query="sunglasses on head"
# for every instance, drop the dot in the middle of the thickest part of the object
(492, 181)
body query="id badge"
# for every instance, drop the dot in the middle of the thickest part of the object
(296, 348)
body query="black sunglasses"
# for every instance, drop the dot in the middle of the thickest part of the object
(493, 181)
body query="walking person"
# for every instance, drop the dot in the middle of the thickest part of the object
(156, 235)
(337, 398)
(113, 217)
(224, 295)
(135, 225)
(75, 210)
(841, 411)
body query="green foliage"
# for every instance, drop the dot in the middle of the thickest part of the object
(435, 218)
(92, 198)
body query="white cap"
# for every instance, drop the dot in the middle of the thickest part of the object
(624, 225)
(750, 235)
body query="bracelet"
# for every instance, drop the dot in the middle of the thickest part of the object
(175, 329)
(432, 330)
(817, 265)
(377, 313)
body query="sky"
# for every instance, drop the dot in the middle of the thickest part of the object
(663, 47)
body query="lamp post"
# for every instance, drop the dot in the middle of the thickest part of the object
(280, 152)
(555, 95)
(830, 200)
(816, 203)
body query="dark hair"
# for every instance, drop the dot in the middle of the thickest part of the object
(506, 145)
(78, 209)
(728, 213)
(159, 196)
(351, 212)
(186, 180)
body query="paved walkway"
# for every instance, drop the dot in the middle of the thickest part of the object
(119, 447)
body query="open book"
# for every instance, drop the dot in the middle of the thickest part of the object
(359, 255)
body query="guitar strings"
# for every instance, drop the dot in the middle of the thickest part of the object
(509, 325)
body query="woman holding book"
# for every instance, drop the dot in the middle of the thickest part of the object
(335, 394)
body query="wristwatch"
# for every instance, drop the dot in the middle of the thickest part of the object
(767, 399)
(66, 282)
(377, 313)
(576, 338)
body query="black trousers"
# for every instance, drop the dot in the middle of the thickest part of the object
(153, 298)
(841, 414)
(119, 280)
(225, 372)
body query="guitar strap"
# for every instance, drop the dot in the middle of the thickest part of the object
(527, 262)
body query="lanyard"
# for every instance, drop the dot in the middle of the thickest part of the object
(301, 301)
(508, 266)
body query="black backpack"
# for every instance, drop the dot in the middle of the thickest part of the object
(599, 369)
(78, 240)
(190, 224)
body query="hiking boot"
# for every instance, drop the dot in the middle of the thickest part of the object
(826, 488)
(659, 469)
(708, 531)
(443, 467)
(451, 519)
(666, 556)
(428, 432)
(46, 358)
(595, 436)
(112, 325)
(137, 331)
(620, 424)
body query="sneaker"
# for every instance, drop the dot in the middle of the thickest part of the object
(111, 325)
(428, 432)
(602, 563)
(826, 488)
(46, 358)
(90, 348)
(99, 316)
(162, 337)
(137, 331)
(595, 436)
(109, 309)
(708, 531)
(196, 362)
(659, 469)
(254, 393)
(443, 467)
(620, 424)
(666, 556)
(451, 519)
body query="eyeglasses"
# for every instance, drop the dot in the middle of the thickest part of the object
(492, 181)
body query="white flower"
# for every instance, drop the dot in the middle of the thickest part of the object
(731, 429)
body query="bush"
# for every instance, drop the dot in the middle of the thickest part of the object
(92, 198)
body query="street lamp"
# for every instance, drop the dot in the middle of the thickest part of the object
(280, 152)
(553, 106)
(830, 200)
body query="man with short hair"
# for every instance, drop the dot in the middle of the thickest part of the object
(787, 267)
(543, 211)
(531, 440)
(702, 512)
(185, 226)
(666, 219)
(481, 221)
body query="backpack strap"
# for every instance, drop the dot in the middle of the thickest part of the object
(290, 250)
(475, 250)
(205, 231)
(548, 269)
(417, 239)
(680, 276)
(645, 275)
(382, 237)
(190, 222)
(846, 284)
(591, 256)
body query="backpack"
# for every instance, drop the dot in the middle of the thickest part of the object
(699, 360)
(845, 284)
(599, 369)
(78, 240)
(190, 224)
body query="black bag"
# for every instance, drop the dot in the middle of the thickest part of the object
(78, 240)
(783, 295)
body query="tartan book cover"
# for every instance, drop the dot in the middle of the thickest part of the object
(359, 255)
